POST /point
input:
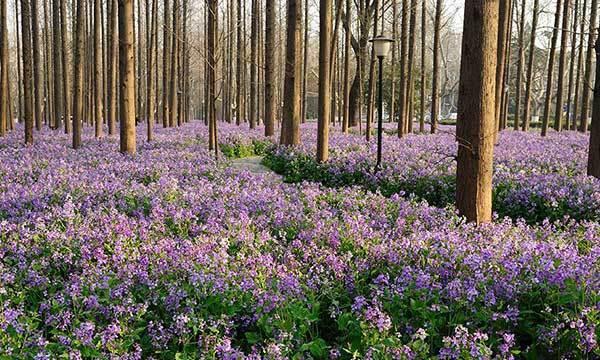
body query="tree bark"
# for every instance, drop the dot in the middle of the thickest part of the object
(476, 110)
(520, 60)
(27, 71)
(550, 79)
(325, 19)
(587, 78)
(568, 117)
(576, 101)
(78, 74)
(126, 78)
(174, 66)
(435, 108)
(4, 104)
(64, 34)
(149, 75)
(37, 66)
(212, 65)
(504, 26)
(270, 78)
(113, 68)
(166, 61)
(530, 61)
(564, 38)
(423, 66)
(290, 127)
(253, 64)
(98, 71)
(593, 166)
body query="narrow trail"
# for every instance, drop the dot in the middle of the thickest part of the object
(253, 164)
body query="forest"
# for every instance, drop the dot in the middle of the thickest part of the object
(298, 179)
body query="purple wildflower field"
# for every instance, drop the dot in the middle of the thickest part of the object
(172, 255)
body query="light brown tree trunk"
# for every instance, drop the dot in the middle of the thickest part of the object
(593, 166)
(113, 68)
(550, 79)
(564, 38)
(579, 65)
(568, 117)
(270, 106)
(98, 71)
(530, 61)
(504, 26)
(166, 62)
(27, 71)
(253, 63)
(56, 58)
(149, 75)
(174, 66)
(476, 110)
(411, 60)
(212, 64)
(78, 74)
(290, 127)
(520, 60)
(435, 107)
(403, 90)
(423, 66)
(37, 66)
(346, 81)
(239, 112)
(587, 78)
(126, 78)
(371, 79)
(66, 85)
(325, 19)
(305, 62)
(4, 104)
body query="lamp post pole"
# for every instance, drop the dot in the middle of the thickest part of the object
(379, 114)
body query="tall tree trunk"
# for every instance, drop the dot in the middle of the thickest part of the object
(149, 75)
(174, 66)
(569, 118)
(346, 81)
(290, 127)
(113, 68)
(305, 62)
(564, 38)
(27, 71)
(579, 66)
(325, 19)
(476, 111)
(212, 73)
(423, 66)
(126, 78)
(411, 60)
(371, 80)
(56, 58)
(587, 78)
(37, 66)
(98, 78)
(550, 79)
(66, 86)
(270, 106)
(78, 74)
(166, 61)
(530, 61)
(239, 110)
(403, 90)
(4, 104)
(435, 107)
(520, 60)
(504, 32)
(593, 166)
(253, 64)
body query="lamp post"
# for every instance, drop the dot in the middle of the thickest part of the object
(381, 47)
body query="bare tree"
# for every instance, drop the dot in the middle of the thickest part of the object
(151, 93)
(78, 74)
(476, 111)
(576, 101)
(435, 92)
(290, 127)
(520, 60)
(113, 67)
(4, 104)
(423, 65)
(325, 19)
(564, 38)
(126, 78)
(530, 60)
(37, 66)
(98, 78)
(550, 78)
(270, 106)
(587, 78)
(593, 166)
